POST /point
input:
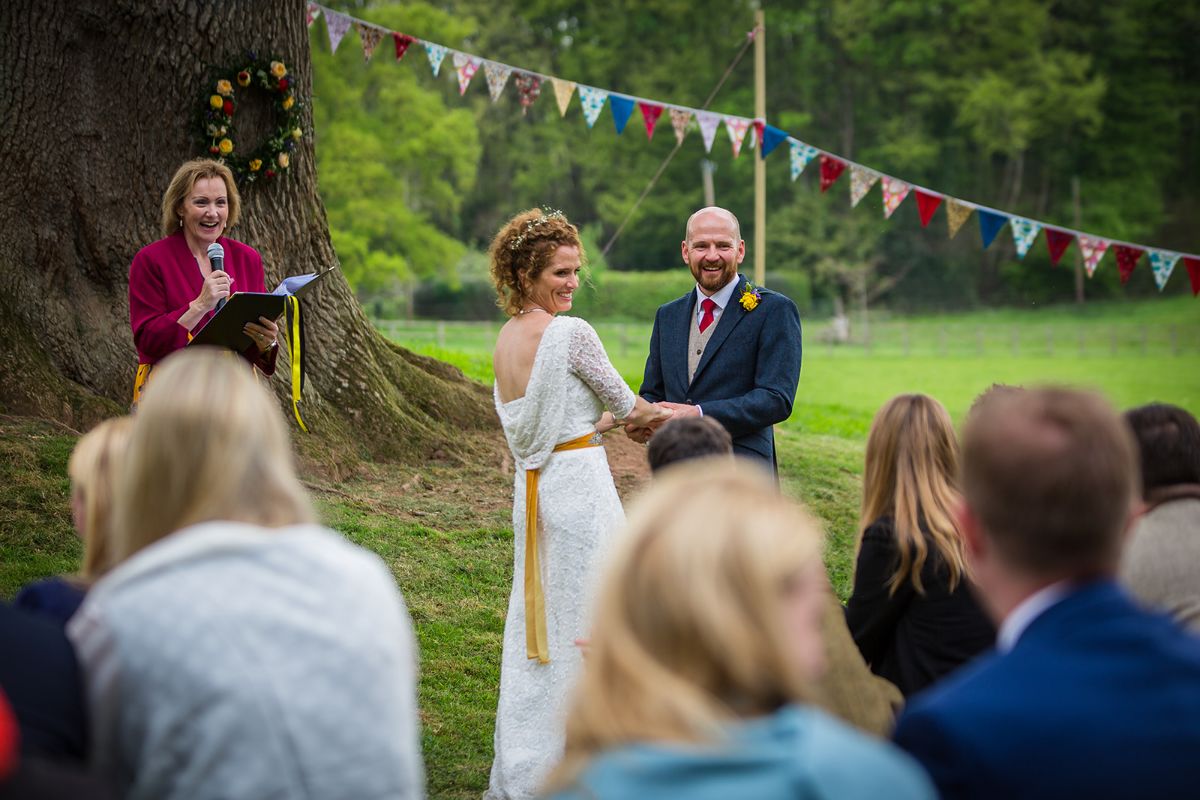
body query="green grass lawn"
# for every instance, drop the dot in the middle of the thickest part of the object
(452, 558)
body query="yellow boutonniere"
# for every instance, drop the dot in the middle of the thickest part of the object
(750, 297)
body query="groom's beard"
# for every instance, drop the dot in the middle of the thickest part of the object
(713, 281)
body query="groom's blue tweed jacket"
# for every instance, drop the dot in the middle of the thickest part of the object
(747, 377)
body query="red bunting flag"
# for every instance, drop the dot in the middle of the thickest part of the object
(650, 113)
(1127, 258)
(927, 204)
(759, 127)
(831, 169)
(403, 40)
(1057, 242)
(1193, 268)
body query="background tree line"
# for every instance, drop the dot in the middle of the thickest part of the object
(1004, 104)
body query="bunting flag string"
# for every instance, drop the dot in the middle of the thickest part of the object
(758, 133)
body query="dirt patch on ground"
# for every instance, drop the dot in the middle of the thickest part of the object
(457, 494)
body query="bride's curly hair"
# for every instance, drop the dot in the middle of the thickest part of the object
(522, 249)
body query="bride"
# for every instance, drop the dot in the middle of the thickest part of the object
(553, 380)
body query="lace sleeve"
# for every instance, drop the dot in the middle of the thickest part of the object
(588, 360)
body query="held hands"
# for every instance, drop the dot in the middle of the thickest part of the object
(642, 429)
(265, 334)
(216, 286)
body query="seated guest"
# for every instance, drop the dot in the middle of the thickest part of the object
(847, 689)
(687, 438)
(1087, 695)
(706, 636)
(239, 649)
(911, 612)
(1161, 563)
(40, 677)
(91, 469)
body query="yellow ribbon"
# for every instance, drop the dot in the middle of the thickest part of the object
(297, 374)
(535, 601)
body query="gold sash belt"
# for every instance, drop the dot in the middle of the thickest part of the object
(535, 601)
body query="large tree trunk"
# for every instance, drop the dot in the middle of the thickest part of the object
(98, 101)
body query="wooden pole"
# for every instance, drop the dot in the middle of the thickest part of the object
(760, 166)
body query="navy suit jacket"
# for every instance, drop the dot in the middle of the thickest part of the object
(747, 377)
(1097, 699)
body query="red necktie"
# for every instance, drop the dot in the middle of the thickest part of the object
(709, 305)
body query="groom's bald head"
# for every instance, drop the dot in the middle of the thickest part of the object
(718, 212)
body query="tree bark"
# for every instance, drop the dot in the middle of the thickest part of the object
(99, 103)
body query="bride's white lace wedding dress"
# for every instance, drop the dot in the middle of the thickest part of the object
(571, 383)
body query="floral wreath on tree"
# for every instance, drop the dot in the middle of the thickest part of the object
(217, 132)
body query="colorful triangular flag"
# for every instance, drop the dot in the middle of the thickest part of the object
(622, 108)
(831, 169)
(1162, 263)
(708, 127)
(592, 100)
(1193, 268)
(799, 154)
(861, 181)
(679, 121)
(436, 53)
(737, 127)
(772, 137)
(403, 40)
(562, 94)
(336, 25)
(497, 77)
(894, 192)
(314, 11)
(957, 212)
(927, 204)
(1093, 249)
(1127, 259)
(1057, 241)
(529, 88)
(1024, 231)
(370, 37)
(466, 66)
(990, 224)
(650, 114)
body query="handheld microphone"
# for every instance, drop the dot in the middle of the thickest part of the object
(216, 259)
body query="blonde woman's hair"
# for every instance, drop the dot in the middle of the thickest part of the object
(92, 469)
(689, 629)
(208, 444)
(523, 248)
(185, 179)
(911, 476)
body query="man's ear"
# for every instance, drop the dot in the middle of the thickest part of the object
(973, 538)
(741, 250)
(683, 248)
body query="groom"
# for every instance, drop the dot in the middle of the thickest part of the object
(726, 350)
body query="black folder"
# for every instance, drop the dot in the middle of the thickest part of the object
(225, 328)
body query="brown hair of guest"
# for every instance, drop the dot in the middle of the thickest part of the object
(1051, 475)
(1168, 440)
(687, 438)
(522, 249)
(185, 178)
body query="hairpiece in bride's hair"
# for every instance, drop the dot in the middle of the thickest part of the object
(528, 227)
